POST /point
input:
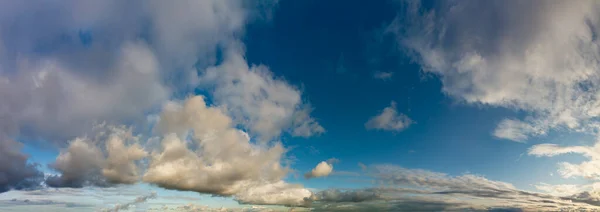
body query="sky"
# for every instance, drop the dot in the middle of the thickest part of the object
(283, 105)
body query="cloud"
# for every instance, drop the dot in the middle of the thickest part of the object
(588, 169)
(383, 75)
(402, 189)
(225, 162)
(516, 130)
(546, 66)
(85, 163)
(322, 169)
(254, 98)
(126, 206)
(15, 171)
(389, 120)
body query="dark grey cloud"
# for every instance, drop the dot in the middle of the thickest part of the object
(15, 171)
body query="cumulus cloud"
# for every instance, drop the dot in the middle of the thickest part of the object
(389, 119)
(15, 171)
(225, 162)
(546, 65)
(256, 99)
(322, 169)
(85, 162)
(588, 169)
(402, 189)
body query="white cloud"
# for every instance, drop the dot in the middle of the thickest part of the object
(322, 169)
(225, 162)
(588, 169)
(546, 65)
(389, 119)
(516, 130)
(264, 104)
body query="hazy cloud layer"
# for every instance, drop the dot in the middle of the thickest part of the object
(402, 189)
(540, 57)
(389, 120)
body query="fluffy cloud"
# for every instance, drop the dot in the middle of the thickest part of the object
(265, 105)
(225, 162)
(322, 169)
(389, 120)
(85, 163)
(546, 65)
(588, 169)
(15, 172)
(402, 189)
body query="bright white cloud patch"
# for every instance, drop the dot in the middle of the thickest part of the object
(540, 57)
(588, 169)
(322, 169)
(389, 119)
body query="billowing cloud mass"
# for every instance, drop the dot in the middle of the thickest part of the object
(539, 57)
(402, 189)
(224, 161)
(15, 171)
(389, 119)
(322, 169)
(109, 158)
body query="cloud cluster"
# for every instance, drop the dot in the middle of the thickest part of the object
(224, 161)
(322, 169)
(402, 189)
(114, 62)
(537, 57)
(85, 162)
(588, 169)
(389, 119)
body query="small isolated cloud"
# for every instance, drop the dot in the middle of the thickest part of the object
(517, 130)
(322, 169)
(383, 75)
(125, 206)
(389, 120)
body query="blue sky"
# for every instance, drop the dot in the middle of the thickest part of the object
(347, 105)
